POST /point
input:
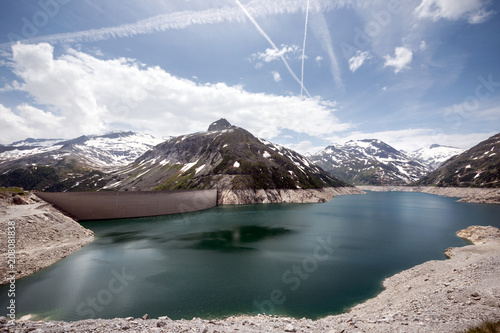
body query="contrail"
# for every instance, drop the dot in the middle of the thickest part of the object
(304, 50)
(320, 29)
(262, 32)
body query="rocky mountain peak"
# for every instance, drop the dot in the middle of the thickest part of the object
(219, 125)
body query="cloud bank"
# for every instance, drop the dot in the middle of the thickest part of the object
(82, 94)
(474, 11)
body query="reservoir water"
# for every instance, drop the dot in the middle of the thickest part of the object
(300, 260)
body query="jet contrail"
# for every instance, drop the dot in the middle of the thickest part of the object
(320, 29)
(263, 33)
(304, 50)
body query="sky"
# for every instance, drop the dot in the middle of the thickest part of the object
(301, 73)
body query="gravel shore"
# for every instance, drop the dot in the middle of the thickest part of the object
(467, 194)
(42, 234)
(436, 296)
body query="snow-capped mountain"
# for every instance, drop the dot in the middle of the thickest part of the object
(435, 155)
(101, 152)
(224, 157)
(476, 167)
(369, 162)
(30, 142)
(78, 164)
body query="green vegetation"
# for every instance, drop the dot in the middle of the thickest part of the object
(53, 178)
(182, 182)
(32, 178)
(13, 190)
(486, 327)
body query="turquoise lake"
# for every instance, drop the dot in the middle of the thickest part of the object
(300, 260)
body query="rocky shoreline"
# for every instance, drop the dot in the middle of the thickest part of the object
(43, 235)
(436, 296)
(466, 194)
(251, 196)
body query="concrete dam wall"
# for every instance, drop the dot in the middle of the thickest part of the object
(116, 205)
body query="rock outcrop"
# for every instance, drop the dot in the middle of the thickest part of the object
(249, 196)
(479, 234)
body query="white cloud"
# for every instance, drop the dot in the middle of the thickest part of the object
(27, 121)
(305, 147)
(276, 76)
(357, 61)
(423, 46)
(473, 10)
(318, 59)
(272, 54)
(402, 59)
(84, 95)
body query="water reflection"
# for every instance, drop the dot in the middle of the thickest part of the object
(123, 237)
(232, 240)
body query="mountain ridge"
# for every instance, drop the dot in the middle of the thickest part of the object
(225, 157)
(53, 164)
(369, 162)
(478, 166)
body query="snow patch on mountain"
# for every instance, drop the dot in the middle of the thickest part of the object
(105, 152)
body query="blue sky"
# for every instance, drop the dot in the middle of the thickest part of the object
(411, 73)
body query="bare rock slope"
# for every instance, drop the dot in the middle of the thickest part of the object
(250, 196)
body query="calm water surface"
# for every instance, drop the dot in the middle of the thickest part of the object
(301, 260)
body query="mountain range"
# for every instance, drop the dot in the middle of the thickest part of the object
(369, 162)
(55, 164)
(229, 157)
(101, 152)
(223, 157)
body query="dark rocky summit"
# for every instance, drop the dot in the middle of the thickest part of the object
(219, 125)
